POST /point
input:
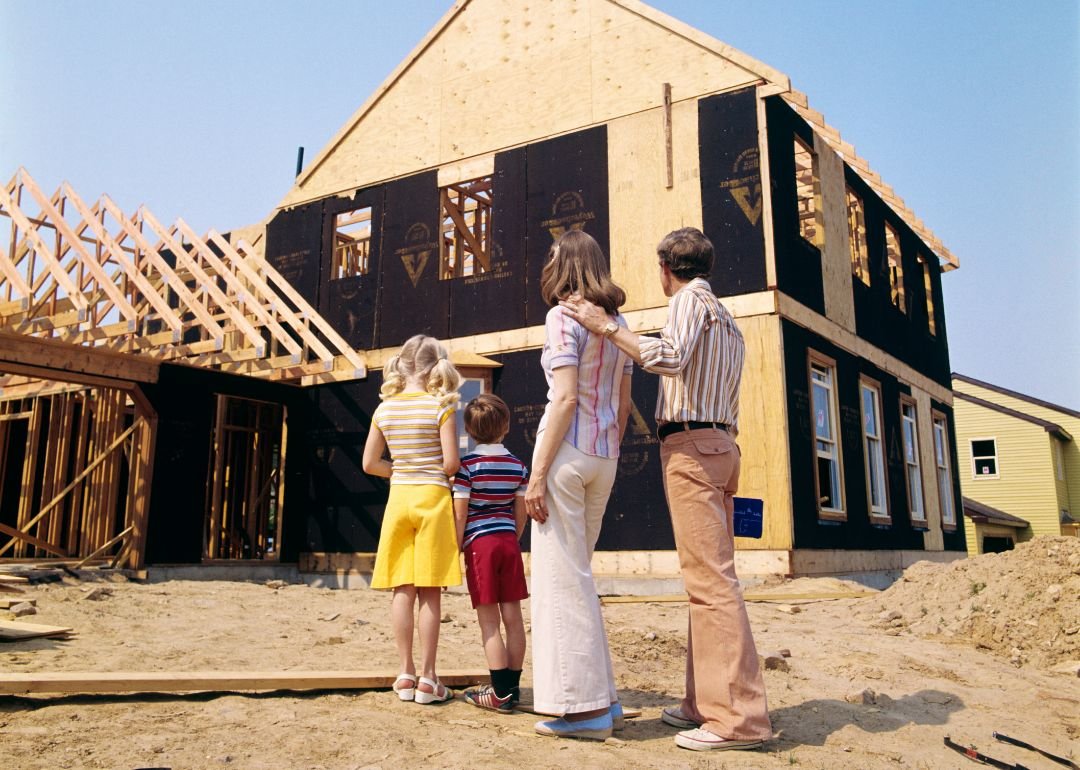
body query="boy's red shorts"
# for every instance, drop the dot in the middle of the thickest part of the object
(493, 569)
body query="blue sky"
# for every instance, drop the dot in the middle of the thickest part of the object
(970, 110)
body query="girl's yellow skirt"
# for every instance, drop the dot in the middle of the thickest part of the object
(418, 540)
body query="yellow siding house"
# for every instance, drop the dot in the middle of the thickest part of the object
(1019, 465)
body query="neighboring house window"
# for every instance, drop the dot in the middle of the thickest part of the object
(896, 268)
(870, 395)
(856, 221)
(928, 285)
(826, 439)
(1059, 460)
(984, 458)
(808, 193)
(944, 477)
(466, 228)
(352, 243)
(912, 470)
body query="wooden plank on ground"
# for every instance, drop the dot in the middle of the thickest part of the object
(14, 631)
(14, 579)
(6, 604)
(214, 681)
(749, 597)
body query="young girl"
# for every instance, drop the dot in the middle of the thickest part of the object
(418, 552)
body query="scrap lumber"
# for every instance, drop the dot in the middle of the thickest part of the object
(6, 604)
(748, 597)
(216, 681)
(14, 631)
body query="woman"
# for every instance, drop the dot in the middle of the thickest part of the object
(573, 468)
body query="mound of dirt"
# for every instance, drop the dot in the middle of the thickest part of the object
(1023, 604)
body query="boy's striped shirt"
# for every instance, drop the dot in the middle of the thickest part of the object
(490, 478)
(410, 424)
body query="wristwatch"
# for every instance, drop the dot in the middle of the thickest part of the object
(609, 328)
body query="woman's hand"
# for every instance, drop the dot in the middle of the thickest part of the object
(535, 506)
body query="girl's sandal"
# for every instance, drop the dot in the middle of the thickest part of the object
(405, 693)
(440, 693)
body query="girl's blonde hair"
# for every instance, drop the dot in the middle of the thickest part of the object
(422, 357)
(576, 265)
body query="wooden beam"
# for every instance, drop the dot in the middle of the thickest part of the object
(55, 360)
(42, 544)
(217, 681)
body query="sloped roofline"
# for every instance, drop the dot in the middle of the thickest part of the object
(977, 511)
(1050, 427)
(1014, 394)
(670, 23)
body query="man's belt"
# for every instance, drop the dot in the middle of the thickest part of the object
(668, 428)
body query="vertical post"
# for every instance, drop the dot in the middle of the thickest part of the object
(668, 155)
(299, 160)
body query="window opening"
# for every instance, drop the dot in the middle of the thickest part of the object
(808, 193)
(875, 456)
(1059, 460)
(913, 472)
(944, 478)
(860, 257)
(896, 268)
(466, 209)
(984, 458)
(352, 243)
(928, 286)
(826, 440)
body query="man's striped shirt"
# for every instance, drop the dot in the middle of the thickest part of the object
(410, 424)
(700, 357)
(490, 478)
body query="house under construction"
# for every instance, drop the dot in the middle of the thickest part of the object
(170, 397)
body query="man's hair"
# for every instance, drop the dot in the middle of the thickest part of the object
(487, 418)
(687, 253)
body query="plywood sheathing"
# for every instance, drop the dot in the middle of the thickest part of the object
(92, 276)
(545, 69)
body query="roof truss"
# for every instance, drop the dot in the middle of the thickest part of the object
(94, 276)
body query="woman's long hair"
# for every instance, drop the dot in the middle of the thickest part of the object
(576, 265)
(422, 356)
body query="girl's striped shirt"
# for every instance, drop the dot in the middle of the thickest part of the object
(410, 424)
(490, 478)
(594, 428)
(700, 355)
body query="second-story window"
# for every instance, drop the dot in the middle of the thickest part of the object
(808, 193)
(928, 286)
(856, 221)
(896, 268)
(466, 228)
(984, 458)
(352, 243)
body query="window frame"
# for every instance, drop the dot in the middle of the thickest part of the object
(339, 268)
(928, 286)
(941, 454)
(878, 515)
(858, 250)
(838, 513)
(896, 277)
(818, 240)
(466, 233)
(469, 374)
(975, 475)
(916, 517)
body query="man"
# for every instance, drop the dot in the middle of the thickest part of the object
(699, 357)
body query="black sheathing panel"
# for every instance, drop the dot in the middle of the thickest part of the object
(637, 516)
(412, 299)
(857, 532)
(294, 245)
(184, 400)
(344, 505)
(495, 301)
(731, 191)
(567, 189)
(349, 304)
(905, 335)
(798, 262)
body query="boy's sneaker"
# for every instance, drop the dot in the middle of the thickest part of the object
(486, 698)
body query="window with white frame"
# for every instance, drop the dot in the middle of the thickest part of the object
(944, 477)
(826, 439)
(984, 463)
(912, 471)
(876, 492)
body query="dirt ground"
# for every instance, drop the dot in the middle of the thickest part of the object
(960, 650)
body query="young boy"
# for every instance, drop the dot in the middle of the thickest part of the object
(489, 507)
